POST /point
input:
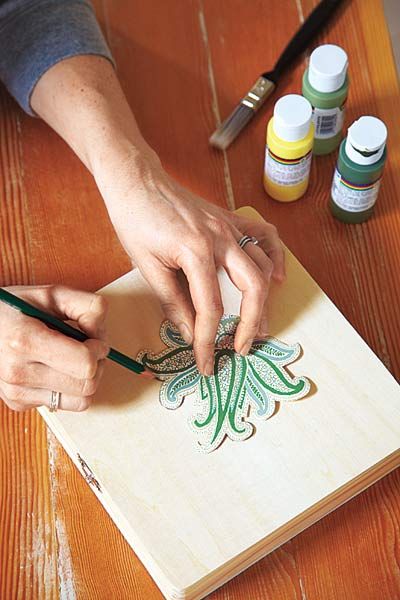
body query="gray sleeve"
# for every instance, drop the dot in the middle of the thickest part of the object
(37, 34)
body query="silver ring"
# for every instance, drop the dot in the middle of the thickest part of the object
(247, 239)
(54, 401)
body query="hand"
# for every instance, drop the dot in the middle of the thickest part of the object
(34, 360)
(165, 229)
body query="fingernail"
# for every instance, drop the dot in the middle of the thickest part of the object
(209, 367)
(186, 334)
(279, 277)
(246, 347)
(106, 350)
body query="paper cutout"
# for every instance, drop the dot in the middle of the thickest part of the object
(242, 386)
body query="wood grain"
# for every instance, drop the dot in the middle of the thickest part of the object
(28, 541)
(198, 57)
(161, 50)
(337, 253)
(356, 267)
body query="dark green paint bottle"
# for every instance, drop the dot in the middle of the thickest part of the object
(326, 85)
(359, 169)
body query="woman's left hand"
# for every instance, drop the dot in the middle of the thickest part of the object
(166, 229)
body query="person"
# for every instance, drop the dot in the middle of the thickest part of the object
(55, 62)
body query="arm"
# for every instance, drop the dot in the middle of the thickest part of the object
(35, 35)
(163, 227)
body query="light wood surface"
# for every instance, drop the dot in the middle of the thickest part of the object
(196, 520)
(54, 534)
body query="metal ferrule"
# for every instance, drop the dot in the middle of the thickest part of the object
(257, 95)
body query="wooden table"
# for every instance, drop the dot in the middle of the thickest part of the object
(184, 64)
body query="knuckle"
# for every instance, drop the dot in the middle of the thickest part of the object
(268, 267)
(46, 295)
(14, 393)
(221, 228)
(206, 245)
(200, 249)
(258, 284)
(206, 344)
(216, 308)
(20, 341)
(273, 229)
(169, 307)
(251, 327)
(15, 406)
(99, 304)
(58, 289)
(89, 364)
(12, 372)
(89, 387)
(250, 331)
(213, 308)
(84, 403)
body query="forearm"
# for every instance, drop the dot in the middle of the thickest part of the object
(81, 98)
(164, 228)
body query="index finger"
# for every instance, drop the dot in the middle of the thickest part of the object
(37, 343)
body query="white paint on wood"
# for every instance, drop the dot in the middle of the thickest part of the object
(65, 571)
(230, 197)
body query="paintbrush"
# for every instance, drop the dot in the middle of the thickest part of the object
(267, 82)
(68, 330)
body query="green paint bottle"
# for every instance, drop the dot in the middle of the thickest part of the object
(359, 169)
(325, 85)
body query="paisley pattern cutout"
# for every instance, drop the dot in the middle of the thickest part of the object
(241, 387)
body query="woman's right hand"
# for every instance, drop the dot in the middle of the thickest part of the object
(36, 360)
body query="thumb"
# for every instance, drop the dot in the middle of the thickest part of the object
(87, 309)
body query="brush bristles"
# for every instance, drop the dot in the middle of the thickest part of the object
(231, 127)
(244, 112)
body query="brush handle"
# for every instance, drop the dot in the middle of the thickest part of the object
(59, 325)
(310, 28)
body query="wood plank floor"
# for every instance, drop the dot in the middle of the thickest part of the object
(184, 64)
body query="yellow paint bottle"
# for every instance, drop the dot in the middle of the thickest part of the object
(288, 153)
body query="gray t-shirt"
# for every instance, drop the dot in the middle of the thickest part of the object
(37, 34)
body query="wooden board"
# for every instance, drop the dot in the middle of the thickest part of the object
(196, 520)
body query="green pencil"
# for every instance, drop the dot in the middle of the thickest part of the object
(76, 334)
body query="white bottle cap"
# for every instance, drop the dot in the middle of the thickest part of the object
(292, 118)
(366, 139)
(327, 68)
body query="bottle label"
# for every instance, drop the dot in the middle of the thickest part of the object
(284, 171)
(354, 197)
(327, 121)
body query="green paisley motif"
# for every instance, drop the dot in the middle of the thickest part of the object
(241, 387)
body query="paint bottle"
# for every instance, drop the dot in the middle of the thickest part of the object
(288, 153)
(358, 173)
(326, 85)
